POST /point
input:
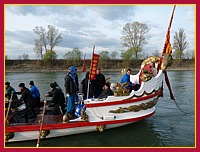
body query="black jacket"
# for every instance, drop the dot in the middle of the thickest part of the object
(26, 96)
(100, 81)
(57, 97)
(70, 86)
(106, 93)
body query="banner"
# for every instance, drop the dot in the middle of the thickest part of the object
(93, 66)
(84, 64)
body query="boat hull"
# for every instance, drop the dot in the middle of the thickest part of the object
(67, 130)
(114, 111)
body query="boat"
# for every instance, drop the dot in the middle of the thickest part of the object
(100, 114)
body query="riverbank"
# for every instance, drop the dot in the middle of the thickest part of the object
(61, 66)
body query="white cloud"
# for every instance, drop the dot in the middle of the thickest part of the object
(85, 26)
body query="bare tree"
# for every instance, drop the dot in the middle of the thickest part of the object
(47, 38)
(39, 48)
(133, 37)
(180, 44)
(41, 32)
(114, 54)
(53, 36)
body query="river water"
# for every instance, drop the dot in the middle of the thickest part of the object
(168, 127)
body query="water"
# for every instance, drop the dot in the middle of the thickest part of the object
(168, 127)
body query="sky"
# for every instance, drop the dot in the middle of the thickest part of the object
(83, 26)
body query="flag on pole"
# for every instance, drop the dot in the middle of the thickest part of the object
(84, 64)
(167, 46)
(93, 65)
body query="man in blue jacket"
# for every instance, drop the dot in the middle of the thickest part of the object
(126, 78)
(36, 95)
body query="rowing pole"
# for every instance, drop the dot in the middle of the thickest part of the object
(41, 122)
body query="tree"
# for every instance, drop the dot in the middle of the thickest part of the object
(41, 32)
(113, 55)
(48, 39)
(53, 36)
(49, 57)
(133, 37)
(25, 56)
(180, 44)
(74, 56)
(104, 56)
(38, 49)
(126, 58)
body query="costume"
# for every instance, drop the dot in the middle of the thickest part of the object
(71, 89)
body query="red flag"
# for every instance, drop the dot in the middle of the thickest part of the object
(93, 66)
(167, 46)
(84, 64)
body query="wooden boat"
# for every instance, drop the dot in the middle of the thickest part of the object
(113, 111)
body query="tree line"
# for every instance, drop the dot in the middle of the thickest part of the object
(133, 38)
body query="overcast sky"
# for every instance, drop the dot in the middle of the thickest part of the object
(83, 26)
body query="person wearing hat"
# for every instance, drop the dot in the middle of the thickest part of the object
(100, 81)
(58, 99)
(10, 91)
(27, 97)
(106, 91)
(10, 94)
(36, 95)
(71, 90)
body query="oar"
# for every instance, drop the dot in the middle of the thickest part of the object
(41, 124)
(8, 107)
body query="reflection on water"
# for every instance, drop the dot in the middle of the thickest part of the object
(167, 127)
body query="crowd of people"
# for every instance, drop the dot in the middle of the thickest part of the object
(97, 88)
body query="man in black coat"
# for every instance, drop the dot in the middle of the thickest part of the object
(58, 99)
(100, 81)
(27, 97)
(106, 92)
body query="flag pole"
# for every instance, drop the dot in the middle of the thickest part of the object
(88, 88)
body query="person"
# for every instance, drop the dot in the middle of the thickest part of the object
(106, 91)
(84, 84)
(76, 78)
(100, 81)
(71, 90)
(58, 87)
(126, 78)
(10, 94)
(36, 95)
(58, 99)
(27, 97)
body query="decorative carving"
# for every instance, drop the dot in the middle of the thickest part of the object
(166, 61)
(101, 128)
(136, 108)
(45, 133)
(149, 60)
(9, 136)
(84, 115)
(65, 118)
(120, 89)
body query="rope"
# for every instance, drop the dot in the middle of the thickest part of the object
(180, 108)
